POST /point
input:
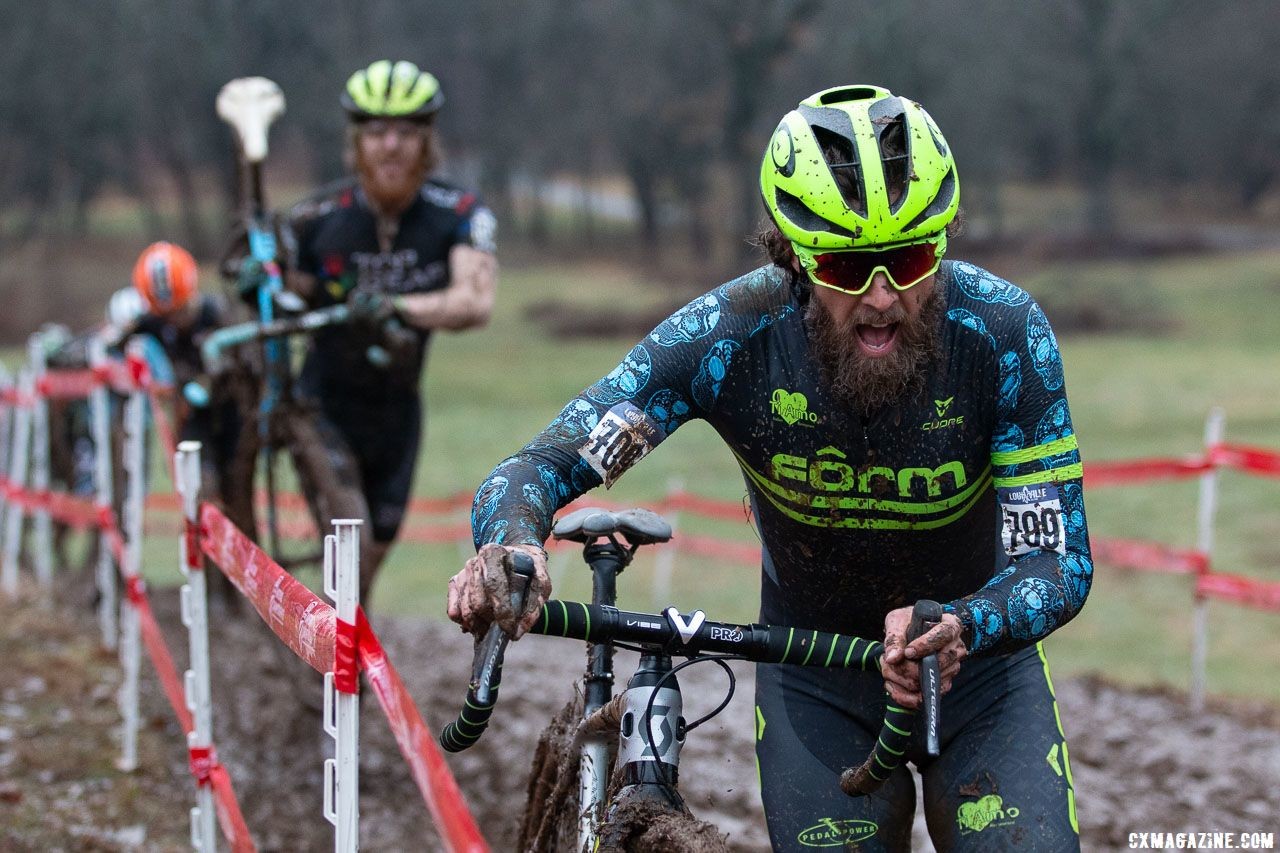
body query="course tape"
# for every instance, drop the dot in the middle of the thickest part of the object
(438, 788)
(208, 771)
(1148, 556)
(309, 627)
(1264, 595)
(294, 613)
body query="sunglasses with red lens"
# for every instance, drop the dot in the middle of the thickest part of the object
(851, 271)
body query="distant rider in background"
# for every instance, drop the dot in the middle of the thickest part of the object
(392, 242)
(178, 316)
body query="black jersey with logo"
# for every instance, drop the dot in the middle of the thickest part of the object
(337, 242)
(969, 492)
(181, 344)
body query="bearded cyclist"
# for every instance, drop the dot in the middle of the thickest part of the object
(391, 241)
(902, 427)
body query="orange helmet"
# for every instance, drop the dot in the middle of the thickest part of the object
(166, 276)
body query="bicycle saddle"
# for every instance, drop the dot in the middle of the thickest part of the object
(640, 526)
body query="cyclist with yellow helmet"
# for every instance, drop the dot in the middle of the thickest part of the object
(391, 240)
(903, 432)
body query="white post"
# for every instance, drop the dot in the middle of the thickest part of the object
(342, 710)
(195, 616)
(130, 629)
(100, 415)
(18, 461)
(43, 547)
(1214, 428)
(6, 424)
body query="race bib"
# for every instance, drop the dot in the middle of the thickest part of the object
(1032, 519)
(623, 437)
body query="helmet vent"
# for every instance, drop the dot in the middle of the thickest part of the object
(895, 154)
(941, 201)
(842, 159)
(797, 212)
(849, 93)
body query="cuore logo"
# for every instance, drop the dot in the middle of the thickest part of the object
(792, 407)
(836, 833)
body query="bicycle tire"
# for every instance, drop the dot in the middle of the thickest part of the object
(329, 479)
(631, 823)
(550, 820)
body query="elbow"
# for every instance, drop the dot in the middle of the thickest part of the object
(475, 317)
(1077, 577)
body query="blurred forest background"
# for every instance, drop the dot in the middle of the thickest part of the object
(633, 130)
(1118, 158)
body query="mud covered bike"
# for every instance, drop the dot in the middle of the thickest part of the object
(605, 773)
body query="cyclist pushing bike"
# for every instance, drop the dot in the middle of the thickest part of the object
(178, 317)
(390, 241)
(902, 427)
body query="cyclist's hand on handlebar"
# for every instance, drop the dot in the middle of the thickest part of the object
(250, 276)
(901, 662)
(372, 307)
(479, 595)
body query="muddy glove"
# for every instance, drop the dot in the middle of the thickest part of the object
(480, 594)
(251, 276)
(901, 662)
(370, 307)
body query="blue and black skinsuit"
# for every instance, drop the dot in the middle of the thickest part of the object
(968, 493)
(378, 411)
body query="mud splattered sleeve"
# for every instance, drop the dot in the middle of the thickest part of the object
(1036, 460)
(671, 376)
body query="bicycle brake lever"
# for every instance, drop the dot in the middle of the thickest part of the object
(924, 617)
(489, 655)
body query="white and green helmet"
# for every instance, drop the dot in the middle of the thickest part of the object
(389, 89)
(902, 183)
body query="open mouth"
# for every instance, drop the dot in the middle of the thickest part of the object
(876, 338)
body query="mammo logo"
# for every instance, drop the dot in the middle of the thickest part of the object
(988, 811)
(830, 473)
(943, 422)
(836, 833)
(792, 407)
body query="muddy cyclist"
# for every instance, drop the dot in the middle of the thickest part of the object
(902, 427)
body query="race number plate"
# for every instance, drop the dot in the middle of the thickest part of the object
(623, 437)
(1032, 519)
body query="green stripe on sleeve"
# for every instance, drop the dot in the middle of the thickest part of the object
(1040, 451)
(1053, 475)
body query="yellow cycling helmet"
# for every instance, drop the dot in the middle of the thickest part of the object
(899, 182)
(389, 89)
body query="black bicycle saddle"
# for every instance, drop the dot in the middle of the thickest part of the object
(639, 526)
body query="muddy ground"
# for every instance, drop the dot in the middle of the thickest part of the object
(1142, 762)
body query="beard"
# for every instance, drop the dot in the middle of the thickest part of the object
(866, 383)
(390, 191)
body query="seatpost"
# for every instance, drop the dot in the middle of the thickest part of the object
(607, 559)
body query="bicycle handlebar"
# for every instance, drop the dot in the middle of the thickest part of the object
(220, 340)
(694, 636)
(486, 672)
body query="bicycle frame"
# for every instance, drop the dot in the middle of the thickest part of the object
(250, 105)
(607, 560)
(650, 712)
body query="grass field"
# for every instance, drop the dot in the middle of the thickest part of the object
(1132, 395)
